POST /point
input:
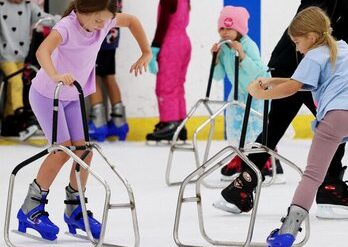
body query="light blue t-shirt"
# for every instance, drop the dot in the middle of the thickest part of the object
(329, 85)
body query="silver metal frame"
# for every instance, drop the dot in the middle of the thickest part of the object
(210, 166)
(211, 120)
(81, 163)
(175, 146)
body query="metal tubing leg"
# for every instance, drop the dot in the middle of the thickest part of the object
(209, 167)
(175, 147)
(107, 205)
(194, 148)
(130, 204)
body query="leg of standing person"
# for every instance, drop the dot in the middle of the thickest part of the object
(328, 136)
(173, 61)
(32, 213)
(16, 118)
(97, 125)
(117, 125)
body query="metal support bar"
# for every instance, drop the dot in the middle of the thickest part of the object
(209, 167)
(194, 148)
(79, 164)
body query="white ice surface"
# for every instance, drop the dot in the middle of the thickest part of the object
(144, 167)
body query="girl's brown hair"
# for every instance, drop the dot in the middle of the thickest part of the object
(314, 20)
(91, 6)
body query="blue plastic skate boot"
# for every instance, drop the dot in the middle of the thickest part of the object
(75, 220)
(121, 132)
(38, 220)
(97, 133)
(280, 240)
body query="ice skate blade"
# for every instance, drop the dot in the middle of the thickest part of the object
(78, 236)
(279, 179)
(37, 238)
(223, 205)
(165, 143)
(225, 178)
(332, 212)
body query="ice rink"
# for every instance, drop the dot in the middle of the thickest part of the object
(144, 167)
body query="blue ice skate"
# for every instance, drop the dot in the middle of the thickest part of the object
(75, 221)
(280, 240)
(38, 220)
(97, 133)
(121, 132)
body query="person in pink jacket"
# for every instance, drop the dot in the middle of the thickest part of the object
(171, 50)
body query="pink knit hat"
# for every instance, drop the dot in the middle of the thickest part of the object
(234, 17)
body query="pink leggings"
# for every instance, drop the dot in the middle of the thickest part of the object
(328, 135)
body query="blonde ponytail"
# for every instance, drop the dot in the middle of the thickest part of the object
(331, 43)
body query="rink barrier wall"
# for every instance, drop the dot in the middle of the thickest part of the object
(139, 127)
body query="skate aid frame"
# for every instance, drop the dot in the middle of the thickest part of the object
(214, 163)
(79, 163)
(207, 103)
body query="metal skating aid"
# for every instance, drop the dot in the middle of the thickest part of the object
(213, 113)
(216, 162)
(69, 150)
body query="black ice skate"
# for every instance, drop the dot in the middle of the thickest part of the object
(164, 131)
(238, 196)
(332, 198)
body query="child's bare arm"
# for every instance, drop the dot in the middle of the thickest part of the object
(44, 53)
(134, 25)
(125, 20)
(281, 90)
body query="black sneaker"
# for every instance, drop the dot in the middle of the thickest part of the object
(332, 198)
(238, 196)
(166, 131)
(22, 124)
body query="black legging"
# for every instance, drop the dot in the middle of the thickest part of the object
(282, 112)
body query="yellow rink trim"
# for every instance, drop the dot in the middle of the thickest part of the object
(139, 127)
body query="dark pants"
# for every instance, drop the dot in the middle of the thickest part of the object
(281, 114)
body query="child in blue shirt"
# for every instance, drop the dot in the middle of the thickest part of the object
(323, 71)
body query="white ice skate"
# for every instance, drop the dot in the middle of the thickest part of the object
(222, 204)
(333, 212)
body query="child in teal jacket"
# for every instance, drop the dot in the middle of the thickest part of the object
(233, 26)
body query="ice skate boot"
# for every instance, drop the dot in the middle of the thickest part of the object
(165, 132)
(230, 171)
(33, 215)
(73, 214)
(332, 198)
(238, 196)
(97, 127)
(118, 126)
(286, 235)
